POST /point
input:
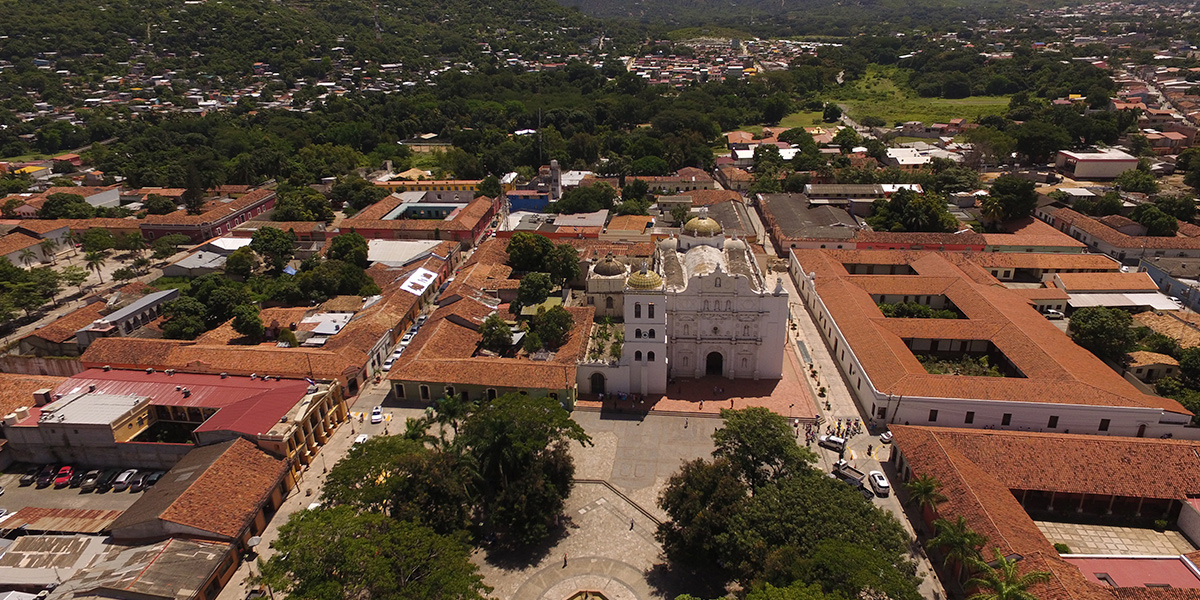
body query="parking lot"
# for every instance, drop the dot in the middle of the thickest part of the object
(16, 497)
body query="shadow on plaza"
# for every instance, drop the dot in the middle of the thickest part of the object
(669, 581)
(512, 558)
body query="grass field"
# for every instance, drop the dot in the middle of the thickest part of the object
(877, 94)
(691, 33)
(802, 119)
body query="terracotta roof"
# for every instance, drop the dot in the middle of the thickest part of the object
(17, 390)
(1173, 325)
(235, 479)
(979, 468)
(63, 328)
(219, 211)
(636, 223)
(1032, 232)
(1042, 260)
(1111, 282)
(15, 242)
(464, 219)
(1054, 368)
(1117, 221)
(1141, 358)
(923, 238)
(710, 197)
(1120, 240)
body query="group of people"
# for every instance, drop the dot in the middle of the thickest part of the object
(845, 428)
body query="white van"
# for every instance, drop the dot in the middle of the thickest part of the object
(832, 442)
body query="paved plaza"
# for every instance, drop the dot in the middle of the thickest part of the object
(1124, 541)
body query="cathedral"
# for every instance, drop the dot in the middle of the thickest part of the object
(700, 307)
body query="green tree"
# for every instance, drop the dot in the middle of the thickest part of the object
(301, 204)
(1156, 222)
(1017, 196)
(242, 262)
(1137, 180)
(338, 553)
(1180, 207)
(246, 321)
(167, 245)
(49, 247)
(95, 261)
(97, 240)
(1040, 140)
(1106, 332)
(599, 196)
(1189, 366)
(159, 205)
(490, 187)
(760, 444)
(274, 245)
(66, 206)
(925, 492)
(846, 139)
(520, 445)
(27, 256)
(701, 499)
(528, 251)
(1187, 160)
(73, 275)
(831, 113)
(1004, 581)
(495, 333)
(356, 192)
(908, 211)
(958, 543)
(562, 262)
(679, 214)
(350, 248)
(533, 289)
(185, 319)
(553, 327)
(124, 274)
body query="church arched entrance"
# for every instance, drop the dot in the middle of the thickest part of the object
(597, 383)
(714, 364)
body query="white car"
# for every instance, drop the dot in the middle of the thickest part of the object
(879, 483)
(387, 364)
(885, 437)
(377, 415)
(362, 437)
(832, 442)
(407, 339)
(1054, 314)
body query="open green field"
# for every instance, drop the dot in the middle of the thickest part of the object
(691, 33)
(878, 94)
(802, 119)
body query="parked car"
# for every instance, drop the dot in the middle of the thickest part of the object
(421, 320)
(152, 479)
(387, 364)
(77, 478)
(832, 442)
(124, 479)
(46, 476)
(879, 483)
(3, 512)
(1054, 315)
(64, 477)
(407, 339)
(90, 480)
(885, 437)
(106, 479)
(29, 477)
(1, 490)
(139, 482)
(362, 437)
(377, 415)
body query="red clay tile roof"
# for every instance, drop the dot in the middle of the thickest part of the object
(969, 238)
(218, 211)
(17, 390)
(15, 242)
(1032, 232)
(1055, 369)
(63, 328)
(1141, 358)
(464, 219)
(1107, 282)
(1120, 240)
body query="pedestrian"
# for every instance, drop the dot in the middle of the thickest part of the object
(631, 524)
(685, 423)
(564, 561)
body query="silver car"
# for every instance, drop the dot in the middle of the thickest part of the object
(879, 483)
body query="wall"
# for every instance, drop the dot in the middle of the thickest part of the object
(1171, 286)
(39, 365)
(1189, 522)
(410, 391)
(124, 454)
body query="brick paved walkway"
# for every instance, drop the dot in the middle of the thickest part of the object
(1125, 541)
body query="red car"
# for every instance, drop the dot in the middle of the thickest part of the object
(64, 477)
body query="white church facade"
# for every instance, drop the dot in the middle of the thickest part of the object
(701, 308)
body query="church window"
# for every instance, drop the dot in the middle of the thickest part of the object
(687, 329)
(650, 311)
(608, 303)
(716, 330)
(637, 333)
(637, 310)
(728, 305)
(746, 331)
(650, 356)
(685, 361)
(651, 334)
(706, 305)
(744, 363)
(717, 282)
(591, 300)
(637, 356)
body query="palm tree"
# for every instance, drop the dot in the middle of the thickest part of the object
(992, 210)
(95, 262)
(27, 256)
(50, 248)
(958, 543)
(1004, 581)
(925, 492)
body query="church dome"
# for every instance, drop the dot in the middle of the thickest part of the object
(668, 244)
(645, 280)
(609, 267)
(702, 226)
(735, 245)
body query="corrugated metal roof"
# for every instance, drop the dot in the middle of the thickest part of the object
(61, 520)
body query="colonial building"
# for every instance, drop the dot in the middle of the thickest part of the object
(699, 307)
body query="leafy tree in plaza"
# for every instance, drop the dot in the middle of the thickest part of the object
(246, 321)
(528, 251)
(1137, 180)
(66, 206)
(168, 245)
(761, 444)
(301, 204)
(701, 499)
(553, 327)
(958, 543)
(490, 187)
(1016, 196)
(96, 240)
(130, 242)
(185, 319)
(124, 274)
(1106, 332)
(159, 205)
(1004, 581)
(520, 447)
(340, 553)
(533, 289)
(908, 211)
(242, 262)
(350, 248)
(1156, 222)
(562, 262)
(95, 261)
(1180, 207)
(495, 333)
(74, 275)
(274, 245)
